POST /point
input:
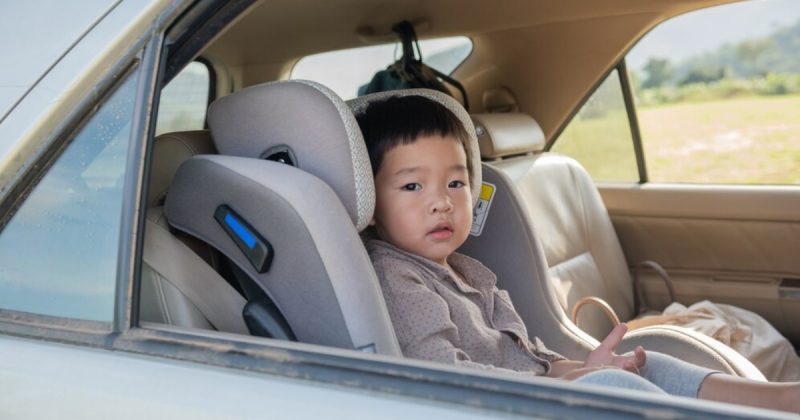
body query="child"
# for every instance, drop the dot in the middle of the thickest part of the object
(445, 306)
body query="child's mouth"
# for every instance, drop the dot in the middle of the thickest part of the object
(442, 231)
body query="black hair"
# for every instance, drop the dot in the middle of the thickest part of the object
(400, 120)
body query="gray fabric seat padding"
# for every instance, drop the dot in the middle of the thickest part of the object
(509, 247)
(313, 122)
(320, 278)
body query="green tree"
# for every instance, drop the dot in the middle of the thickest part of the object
(703, 73)
(750, 55)
(658, 71)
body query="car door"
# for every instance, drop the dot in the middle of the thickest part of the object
(70, 346)
(694, 147)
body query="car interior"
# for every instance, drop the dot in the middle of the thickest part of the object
(255, 220)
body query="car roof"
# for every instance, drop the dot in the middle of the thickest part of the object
(550, 54)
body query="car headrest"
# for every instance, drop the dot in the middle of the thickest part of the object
(169, 151)
(360, 104)
(505, 134)
(306, 125)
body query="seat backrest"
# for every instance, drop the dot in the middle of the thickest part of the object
(291, 228)
(579, 242)
(553, 199)
(169, 259)
(170, 150)
(508, 245)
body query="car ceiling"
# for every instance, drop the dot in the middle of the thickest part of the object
(548, 53)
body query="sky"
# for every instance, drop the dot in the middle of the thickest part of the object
(706, 30)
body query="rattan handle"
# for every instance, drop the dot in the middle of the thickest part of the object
(612, 316)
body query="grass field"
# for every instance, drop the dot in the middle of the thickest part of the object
(743, 140)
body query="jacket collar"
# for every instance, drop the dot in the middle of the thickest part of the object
(479, 277)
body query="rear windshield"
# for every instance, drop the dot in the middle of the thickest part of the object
(345, 71)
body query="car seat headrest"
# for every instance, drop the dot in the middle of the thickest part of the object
(303, 124)
(169, 151)
(506, 134)
(359, 104)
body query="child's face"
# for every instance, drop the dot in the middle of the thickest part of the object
(424, 204)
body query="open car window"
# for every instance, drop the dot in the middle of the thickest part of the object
(185, 98)
(709, 106)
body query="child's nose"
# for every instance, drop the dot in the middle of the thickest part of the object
(442, 203)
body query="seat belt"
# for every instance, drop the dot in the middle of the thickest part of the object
(217, 300)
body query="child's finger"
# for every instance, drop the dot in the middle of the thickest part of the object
(630, 366)
(640, 356)
(613, 339)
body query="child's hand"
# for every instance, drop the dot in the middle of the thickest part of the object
(604, 354)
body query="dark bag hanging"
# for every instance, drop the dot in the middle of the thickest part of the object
(409, 71)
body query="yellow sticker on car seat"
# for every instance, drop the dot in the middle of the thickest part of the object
(481, 210)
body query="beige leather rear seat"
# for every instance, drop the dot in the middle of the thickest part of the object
(172, 256)
(555, 199)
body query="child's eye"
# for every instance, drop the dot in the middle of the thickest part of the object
(412, 187)
(456, 184)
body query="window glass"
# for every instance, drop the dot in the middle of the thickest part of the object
(599, 136)
(718, 95)
(184, 100)
(344, 71)
(58, 253)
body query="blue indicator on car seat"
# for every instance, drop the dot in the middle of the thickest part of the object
(240, 230)
(255, 248)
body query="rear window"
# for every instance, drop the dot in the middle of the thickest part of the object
(344, 71)
(184, 100)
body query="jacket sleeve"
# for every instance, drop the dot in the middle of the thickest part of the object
(533, 345)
